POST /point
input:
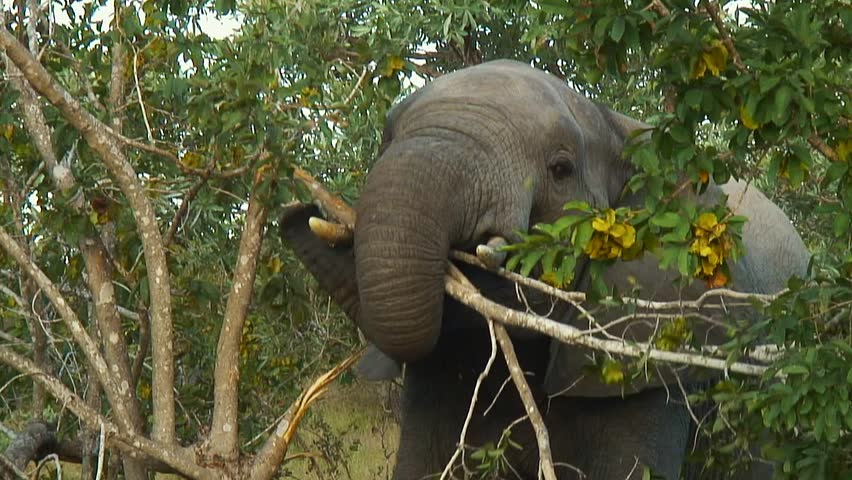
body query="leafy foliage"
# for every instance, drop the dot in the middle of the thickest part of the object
(760, 92)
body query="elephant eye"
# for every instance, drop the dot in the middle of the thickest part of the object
(561, 169)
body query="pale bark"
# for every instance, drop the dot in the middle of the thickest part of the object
(114, 391)
(224, 431)
(180, 459)
(101, 139)
(95, 258)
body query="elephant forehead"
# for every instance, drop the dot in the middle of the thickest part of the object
(520, 89)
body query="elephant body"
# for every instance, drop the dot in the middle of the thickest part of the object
(489, 151)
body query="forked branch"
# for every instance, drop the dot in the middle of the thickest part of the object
(97, 135)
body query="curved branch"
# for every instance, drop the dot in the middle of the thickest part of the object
(98, 136)
(78, 331)
(180, 459)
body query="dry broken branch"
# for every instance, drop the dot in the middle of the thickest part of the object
(542, 436)
(269, 458)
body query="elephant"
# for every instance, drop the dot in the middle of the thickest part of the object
(489, 151)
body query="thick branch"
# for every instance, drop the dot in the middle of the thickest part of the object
(333, 205)
(101, 140)
(99, 279)
(78, 332)
(95, 257)
(269, 458)
(224, 432)
(573, 336)
(180, 459)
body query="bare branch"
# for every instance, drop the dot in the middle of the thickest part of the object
(823, 148)
(473, 399)
(573, 336)
(181, 212)
(181, 459)
(713, 10)
(269, 458)
(224, 431)
(95, 257)
(331, 204)
(98, 136)
(531, 409)
(90, 348)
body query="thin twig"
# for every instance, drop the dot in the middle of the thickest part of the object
(473, 399)
(542, 437)
(713, 10)
(139, 95)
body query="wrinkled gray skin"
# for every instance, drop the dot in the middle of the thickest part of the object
(491, 150)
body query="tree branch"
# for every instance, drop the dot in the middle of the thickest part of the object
(574, 336)
(542, 437)
(181, 212)
(224, 431)
(823, 148)
(334, 206)
(180, 459)
(95, 258)
(713, 10)
(98, 137)
(78, 332)
(270, 456)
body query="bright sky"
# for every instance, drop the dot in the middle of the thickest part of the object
(215, 27)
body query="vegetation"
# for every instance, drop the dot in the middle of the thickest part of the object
(142, 163)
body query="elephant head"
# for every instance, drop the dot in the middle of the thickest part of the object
(488, 151)
(485, 151)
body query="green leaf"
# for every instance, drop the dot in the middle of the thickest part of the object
(577, 205)
(693, 97)
(841, 224)
(767, 83)
(530, 261)
(617, 30)
(666, 220)
(601, 27)
(795, 370)
(781, 110)
(582, 234)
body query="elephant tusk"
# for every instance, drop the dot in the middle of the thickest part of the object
(490, 253)
(333, 233)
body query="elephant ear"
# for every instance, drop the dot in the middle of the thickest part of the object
(334, 270)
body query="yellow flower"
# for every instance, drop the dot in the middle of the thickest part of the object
(393, 65)
(604, 224)
(610, 239)
(844, 148)
(711, 245)
(713, 58)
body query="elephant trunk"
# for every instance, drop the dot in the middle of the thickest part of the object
(402, 238)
